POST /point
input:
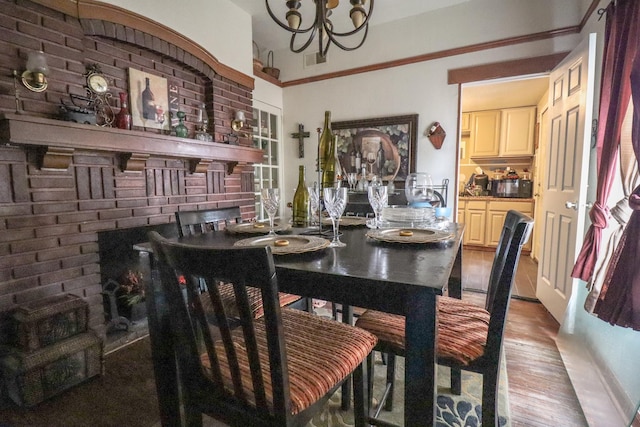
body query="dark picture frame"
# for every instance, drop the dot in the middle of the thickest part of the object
(396, 135)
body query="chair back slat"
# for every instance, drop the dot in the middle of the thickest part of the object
(515, 233)
(200, 222)
(231, 345)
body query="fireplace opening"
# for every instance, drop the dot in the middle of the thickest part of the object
(123, 278)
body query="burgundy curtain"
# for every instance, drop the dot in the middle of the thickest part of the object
(619, 301)
(621, 45)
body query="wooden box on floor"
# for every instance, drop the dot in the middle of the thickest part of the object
(31, 377)
(45, 322)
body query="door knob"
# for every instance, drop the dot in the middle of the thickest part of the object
(571, 205)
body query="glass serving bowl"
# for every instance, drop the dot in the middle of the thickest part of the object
(418, 189)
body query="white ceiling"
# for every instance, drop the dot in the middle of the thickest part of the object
(503, 94)
(269, 36)
(483, 96)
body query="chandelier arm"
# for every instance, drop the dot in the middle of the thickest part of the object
(343, 47)
(305, 45)
(365, 23)
(285, 26)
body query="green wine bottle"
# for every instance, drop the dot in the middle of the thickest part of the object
(301, 201)
(326, 138)
(329, 170)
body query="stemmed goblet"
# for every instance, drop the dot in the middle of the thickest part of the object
(314, 204)
(371, 160)
(270, 201)
(335, 200)
(352, 179)
(378, 198)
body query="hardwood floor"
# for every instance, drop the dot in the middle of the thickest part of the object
(476, 268)
(540, 392)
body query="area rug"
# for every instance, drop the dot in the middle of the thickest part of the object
(126, 396)
(452, 411)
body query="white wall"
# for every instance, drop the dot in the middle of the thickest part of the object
(420, 88)
(461, 25)
(219, 26)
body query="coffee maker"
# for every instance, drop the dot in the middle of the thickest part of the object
(482, 181)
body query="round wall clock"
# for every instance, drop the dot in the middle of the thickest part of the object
(97, 83)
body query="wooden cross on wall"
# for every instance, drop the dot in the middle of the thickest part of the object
(300, 136)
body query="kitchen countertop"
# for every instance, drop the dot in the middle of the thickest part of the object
(500, 199)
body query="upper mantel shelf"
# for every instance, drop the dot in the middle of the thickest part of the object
(60, 139)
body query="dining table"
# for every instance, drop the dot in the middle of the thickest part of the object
(400, 276)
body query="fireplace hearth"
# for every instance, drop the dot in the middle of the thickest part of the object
(118, 263)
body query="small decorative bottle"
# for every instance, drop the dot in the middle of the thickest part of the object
(123, 119)
(148, 102)
(363, 184)
(301, 201)
(181, 130)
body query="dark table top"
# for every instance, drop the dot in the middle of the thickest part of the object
(373, 274)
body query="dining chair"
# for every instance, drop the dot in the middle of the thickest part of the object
(277, 370)
(469, 337)
(205, 221)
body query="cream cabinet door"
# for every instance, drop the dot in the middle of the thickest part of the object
(465, 123)
(485, 133)
(497, 212)
(495, 222)
(517, 131)
(475, 218)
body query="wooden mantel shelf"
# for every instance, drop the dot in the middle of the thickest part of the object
(56, 141)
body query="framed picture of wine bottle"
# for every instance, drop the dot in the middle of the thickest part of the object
(384, 146)
(149, 99)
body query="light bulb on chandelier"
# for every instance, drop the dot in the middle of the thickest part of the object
(322, 24)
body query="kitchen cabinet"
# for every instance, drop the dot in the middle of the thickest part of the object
(517, 131)
(475, 219)
(496, 213)
(502, 133)
(465, 123)
(485, 133)
(484, 219)
(461, 208)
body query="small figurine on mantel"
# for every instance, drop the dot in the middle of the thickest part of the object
(202, 125)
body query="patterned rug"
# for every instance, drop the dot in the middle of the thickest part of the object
(453, 411)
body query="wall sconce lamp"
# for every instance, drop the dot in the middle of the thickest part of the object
(34, 77)
(236, 124)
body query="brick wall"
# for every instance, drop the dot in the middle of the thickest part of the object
(49, 219)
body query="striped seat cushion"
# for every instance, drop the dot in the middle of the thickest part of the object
(255, 300)
(320, 354)
(462, 329)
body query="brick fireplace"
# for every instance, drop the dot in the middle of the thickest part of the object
(62, 183)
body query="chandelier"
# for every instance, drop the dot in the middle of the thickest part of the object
(323, 25)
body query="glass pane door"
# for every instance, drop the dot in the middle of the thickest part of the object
(266, 136)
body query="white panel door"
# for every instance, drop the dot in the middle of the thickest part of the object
(571, 91)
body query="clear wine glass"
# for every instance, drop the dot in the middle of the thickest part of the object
(371, 160)
(378, 198)
(270, 201)
(352, 179)
(335, 200)
(314, 204)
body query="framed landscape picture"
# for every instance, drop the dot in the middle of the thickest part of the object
(386, 145)
(149, 98)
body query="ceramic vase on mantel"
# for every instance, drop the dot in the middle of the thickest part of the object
(123, 118)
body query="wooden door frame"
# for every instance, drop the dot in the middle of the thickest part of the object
(496, 70)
